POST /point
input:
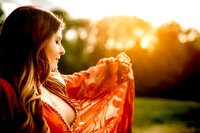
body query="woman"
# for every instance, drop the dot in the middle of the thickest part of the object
(35, 97)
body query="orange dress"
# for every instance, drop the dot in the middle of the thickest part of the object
(104, 94)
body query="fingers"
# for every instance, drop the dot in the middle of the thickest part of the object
(120, 66)
(122, 57)
(113, 65)
(125, 67)
(130, 74)
(110, 63)
(124, 63)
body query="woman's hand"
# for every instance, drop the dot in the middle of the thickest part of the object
(124, 67)
(120, 66)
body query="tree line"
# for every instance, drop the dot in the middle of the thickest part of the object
(165, 59)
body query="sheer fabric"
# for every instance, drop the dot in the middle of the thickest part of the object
(104, 95)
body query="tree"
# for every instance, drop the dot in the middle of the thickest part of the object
(74, 41)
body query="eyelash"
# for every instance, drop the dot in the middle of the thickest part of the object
(57, 42)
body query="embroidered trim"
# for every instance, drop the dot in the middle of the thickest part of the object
(43, 97)
(61, 116)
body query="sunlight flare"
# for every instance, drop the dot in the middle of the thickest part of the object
(71, 35)
(145, 42)
(148, 42)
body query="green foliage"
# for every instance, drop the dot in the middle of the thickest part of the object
(166, 116)
(63, 15)
(75, 59)
(164, 67)
(1, 17)
(162, 57)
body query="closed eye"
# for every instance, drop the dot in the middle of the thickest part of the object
(57, 42)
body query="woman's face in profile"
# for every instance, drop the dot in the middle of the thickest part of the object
(54, 49)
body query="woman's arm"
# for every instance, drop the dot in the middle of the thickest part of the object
(105, 76)
(105, 95)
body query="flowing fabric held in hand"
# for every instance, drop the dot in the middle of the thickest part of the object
(101, 96)
(105, 97)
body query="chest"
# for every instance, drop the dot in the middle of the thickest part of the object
(63, 108)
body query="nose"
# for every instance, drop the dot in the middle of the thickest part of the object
(62, 50)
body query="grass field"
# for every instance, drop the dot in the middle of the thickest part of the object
(154, 115)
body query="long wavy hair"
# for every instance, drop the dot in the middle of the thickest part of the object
(23, 60)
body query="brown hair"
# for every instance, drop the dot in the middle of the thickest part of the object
(23, 60)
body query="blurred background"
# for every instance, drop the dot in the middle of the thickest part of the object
(162, 38)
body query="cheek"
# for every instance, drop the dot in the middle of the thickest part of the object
(54, 52)
(51, 52)
(52, 55)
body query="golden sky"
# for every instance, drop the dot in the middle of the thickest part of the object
(185, 12)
